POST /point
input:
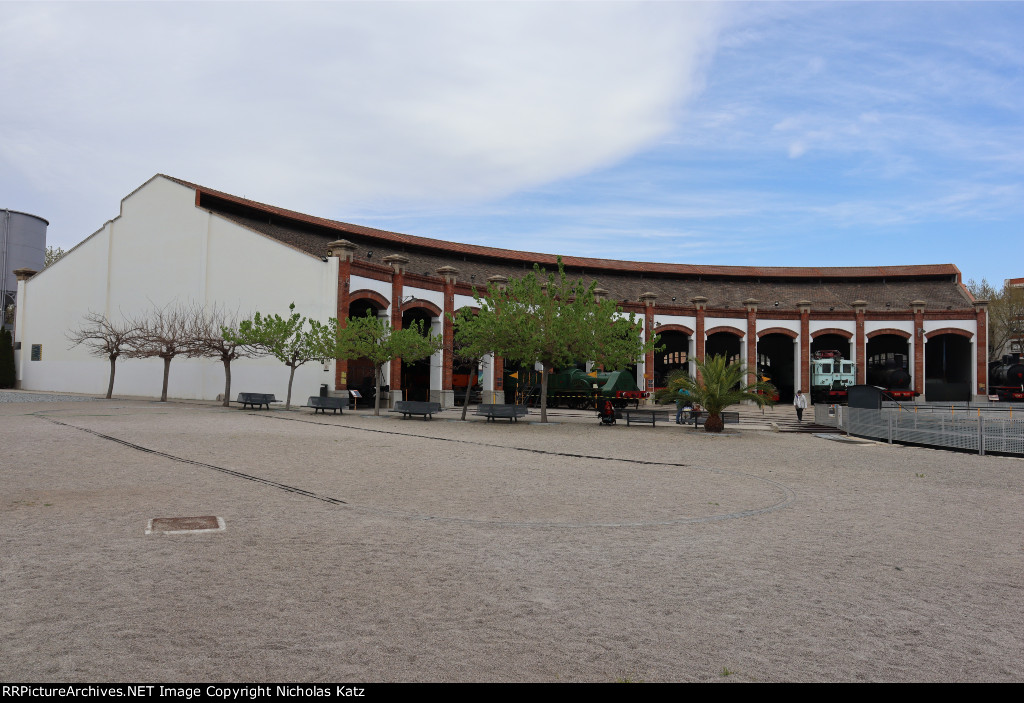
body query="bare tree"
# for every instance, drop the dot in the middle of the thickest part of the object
(163, 333)
(106, 339)
(1005, 314)
(207, 329)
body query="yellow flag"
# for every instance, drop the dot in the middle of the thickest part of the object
(514, 375)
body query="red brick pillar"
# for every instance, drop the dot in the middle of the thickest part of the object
(398, 264)
(981, 341)
(344, 250)
(805, 345)
(860, 341)
(648, 300)
(701, 303)
(918, 307)
(751, 305)
(449, 273)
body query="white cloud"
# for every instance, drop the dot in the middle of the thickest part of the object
(340, 104)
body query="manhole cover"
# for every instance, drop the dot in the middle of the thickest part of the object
(181, 525)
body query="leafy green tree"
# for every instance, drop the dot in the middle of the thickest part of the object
(474, 340)
(7, 374)
(105, 339)
(718, 385)
(373, 337)
(556, 321)
(287, 339)
(53, 255)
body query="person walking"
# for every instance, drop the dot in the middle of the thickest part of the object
(800, 402)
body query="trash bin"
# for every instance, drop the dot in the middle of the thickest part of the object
(323, 390)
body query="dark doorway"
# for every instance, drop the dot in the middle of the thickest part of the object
(775, 359)
(826, 342)
(947, 368)
(361, 371)
(674, 356)
(888, 362)
(723, 343)
(416, 376)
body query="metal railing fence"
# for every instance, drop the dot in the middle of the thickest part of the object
(975, 429)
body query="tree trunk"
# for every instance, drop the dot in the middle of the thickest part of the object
(167, 375)
(465, 402)
(227, 383)
(714, 423)
(544, 393)
(376, 389)
(288, 400)
(110, 386)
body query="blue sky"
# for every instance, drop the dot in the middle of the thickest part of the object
(765, 133)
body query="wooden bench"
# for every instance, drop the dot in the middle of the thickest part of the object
(256, 400)
(646, 415)
(416, 407)
(492, 411)
(730, 417)
(324, 403)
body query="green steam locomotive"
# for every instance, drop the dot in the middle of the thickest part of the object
(574, 388)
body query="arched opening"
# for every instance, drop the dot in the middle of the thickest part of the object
(416, 376)
(723, 343)
(888, 362)
(674, 357)
(775, 360)
(360, 374)
(947, 368)
(831, 341)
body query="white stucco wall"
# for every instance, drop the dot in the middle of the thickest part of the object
(737, 323)
(361, 283)
(766, 324)
(163, 250)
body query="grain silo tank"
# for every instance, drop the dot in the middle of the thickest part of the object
(22, 245)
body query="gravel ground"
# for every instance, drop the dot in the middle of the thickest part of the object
(32, 397)
(380, 549)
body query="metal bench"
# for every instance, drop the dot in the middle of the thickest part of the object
(416, 407)
(645, 415)
(730, 417)
(492, 411)
(324, 403)
(256, 400)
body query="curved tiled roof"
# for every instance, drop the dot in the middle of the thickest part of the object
(833, 287)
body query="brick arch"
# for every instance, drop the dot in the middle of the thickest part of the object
(832, 330)
(889, 330)
(725, 328)
(420, 303)
(472, 308)
(949, 330)
(778, 330)
(367, 294)
(673, 328)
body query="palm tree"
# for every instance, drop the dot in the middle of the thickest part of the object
(721, 384)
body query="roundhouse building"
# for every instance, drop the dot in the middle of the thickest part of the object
(178, 241)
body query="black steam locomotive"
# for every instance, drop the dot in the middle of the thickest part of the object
(1006, 378)
(889, 371)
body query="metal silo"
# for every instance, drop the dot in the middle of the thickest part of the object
(22, 245)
